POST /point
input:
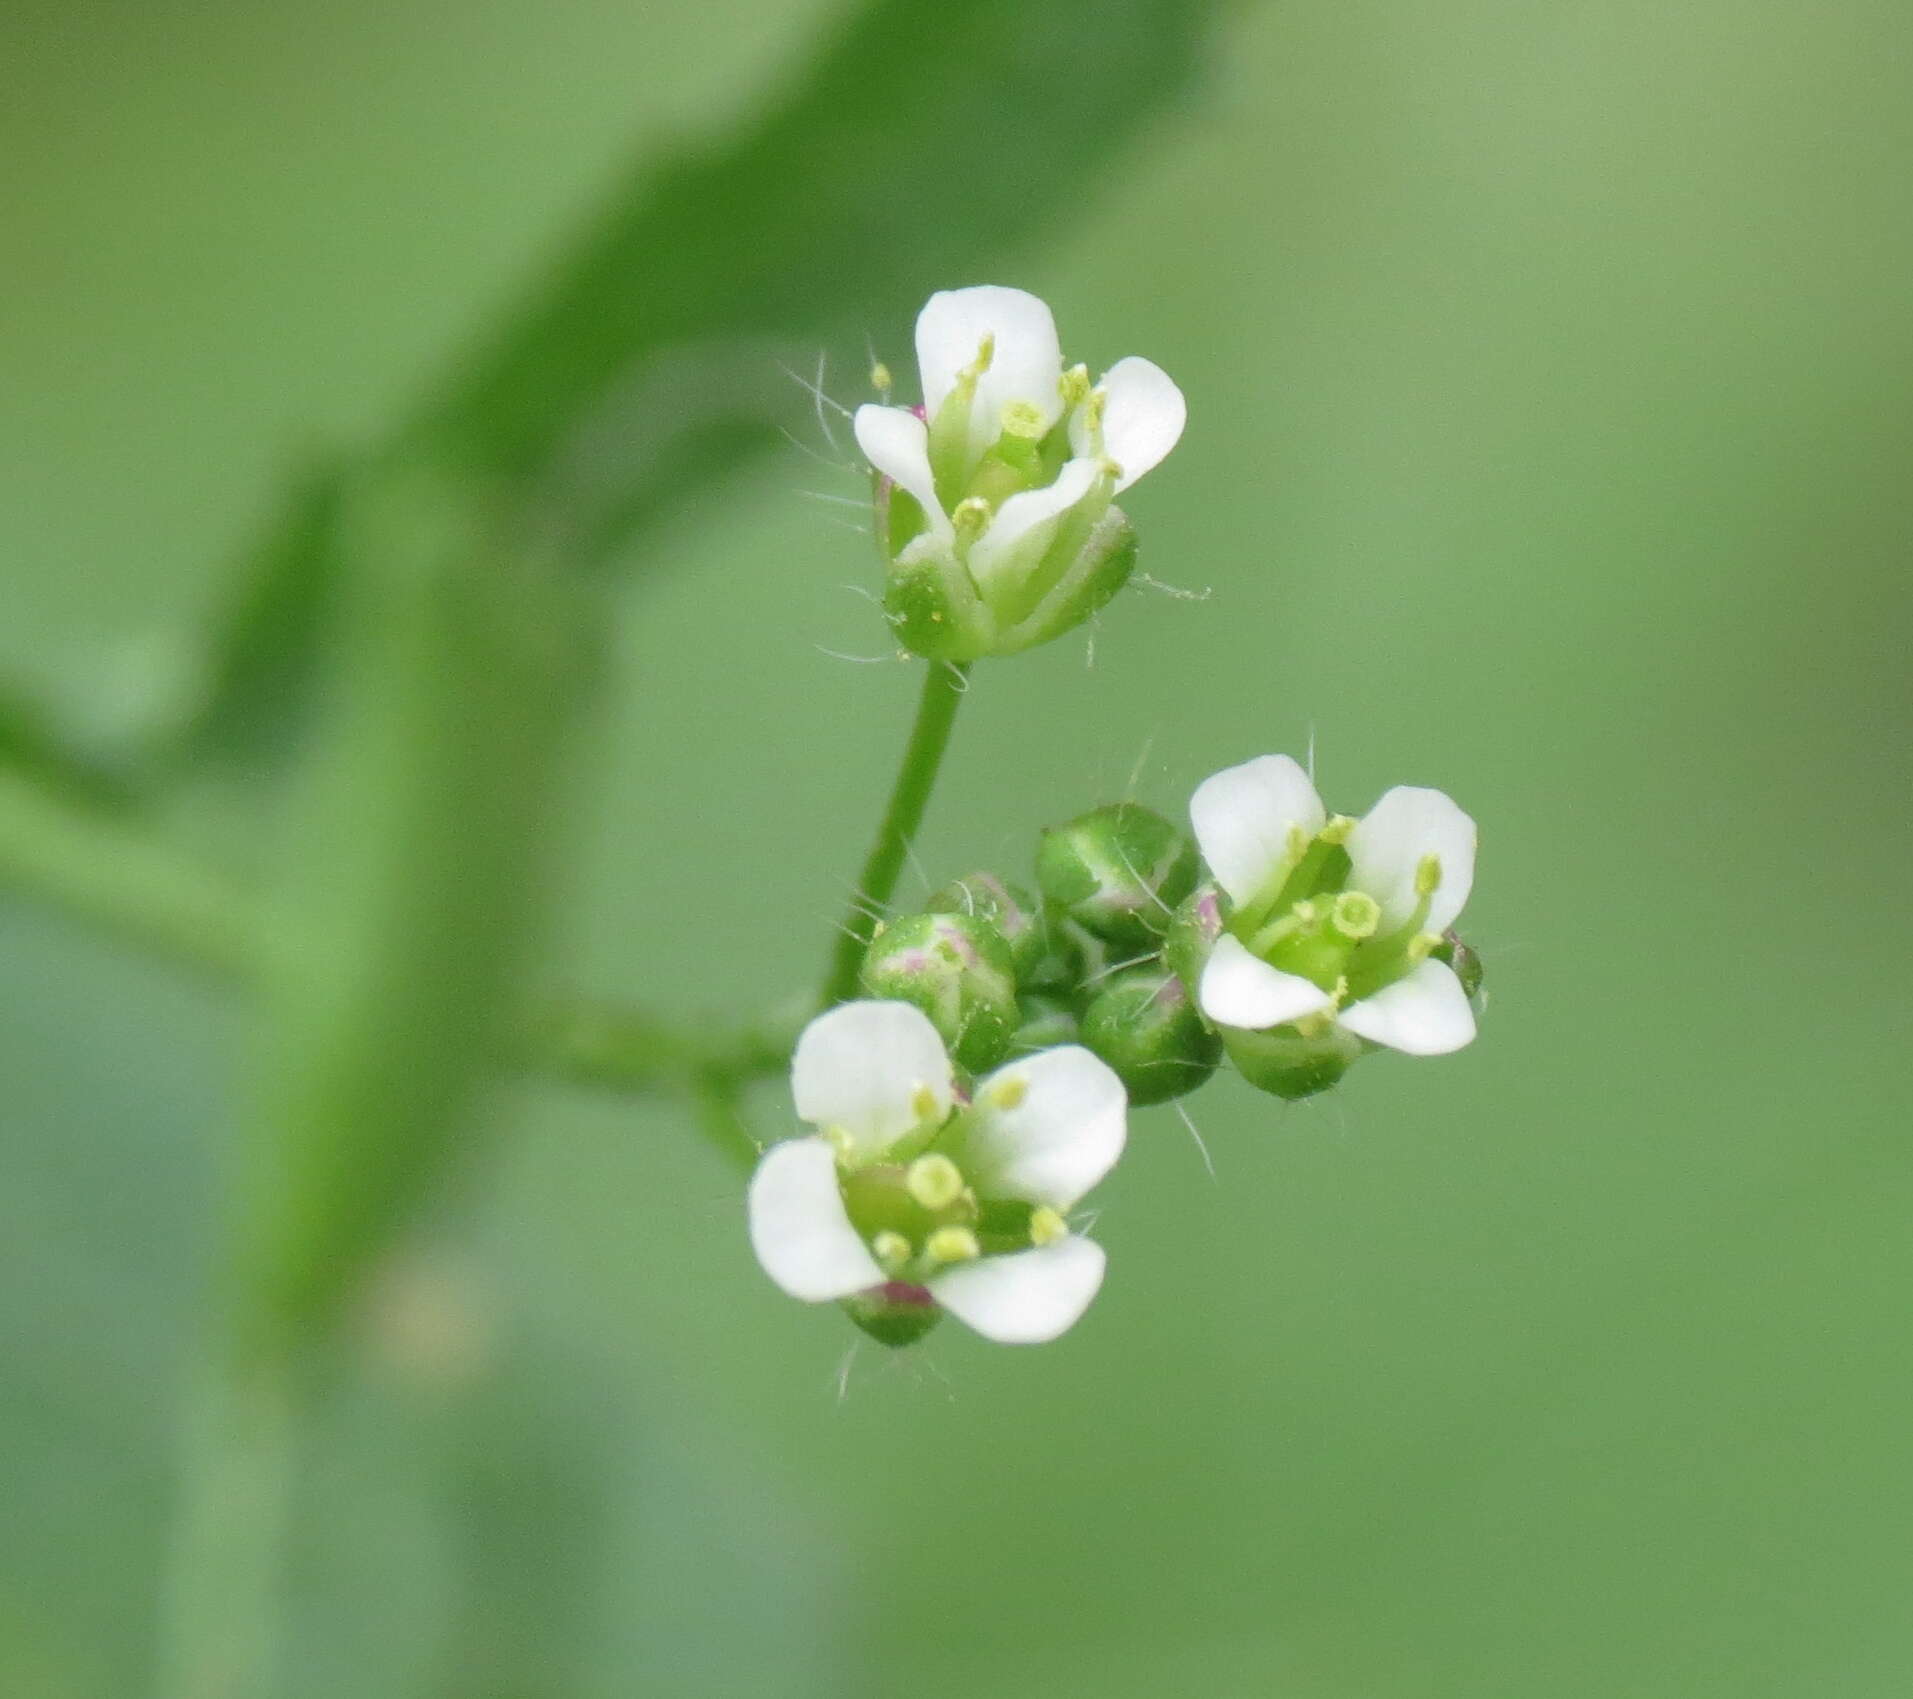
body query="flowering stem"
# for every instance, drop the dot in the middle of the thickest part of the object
(943, 689)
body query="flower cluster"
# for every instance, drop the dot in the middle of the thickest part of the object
(981, 1088)
(994, 497)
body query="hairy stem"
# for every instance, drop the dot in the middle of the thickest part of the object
(943, 690)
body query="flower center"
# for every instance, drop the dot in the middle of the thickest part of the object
(1310, 922)
(925, 1214)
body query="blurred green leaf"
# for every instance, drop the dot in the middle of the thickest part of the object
(415, 881)
(649, 364)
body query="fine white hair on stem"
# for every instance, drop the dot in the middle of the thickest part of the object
(1175, 592)
(957, 678)
(916, 865)
(1135, 772)
(835, 501)
(861, 660)
(844, 1366)
(1202, 1149)
(1310, 763)
(814, 387)
(1135, 873)
(1117, 967)
(848, 467)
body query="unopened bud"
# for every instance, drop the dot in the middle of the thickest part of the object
(1047, 1022)
(1117, 871)
(1145, 1025)
(1009, 908)
(1193, 932)
(957, 969)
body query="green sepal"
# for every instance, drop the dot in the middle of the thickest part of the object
(932, 606)
(1145, 1025)
(894, 1314)
(1465, 960)
(1101, 566)
(1285, 1064)
(1009, 908)
(1047, 1021)
(1117, 871)
(959, 971)
(1193, 931)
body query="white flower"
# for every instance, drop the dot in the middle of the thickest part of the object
(1008, 447)
(1334, 920)
(909, 1201)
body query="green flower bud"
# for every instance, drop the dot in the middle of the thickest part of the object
(1289, 1065)
(1047, 1021)
(958, 970)
(1193, 931)
(1464, 960)
(1009, 908)
(1145, 1025)
(1117, 871)
(894, 1314)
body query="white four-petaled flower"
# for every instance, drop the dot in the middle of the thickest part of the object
(1007, 441)
(1334, 920)
(906, 1188)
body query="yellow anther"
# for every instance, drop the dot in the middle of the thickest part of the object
(1024, 419)
(1316, 1025)
(1046, 1226)
(1356, 915)
(1112, 471)
(1422, 946)
(1009, 1092)
(1307, 913)
(1427, 875)
(971, 516)
(841, 1142)
(1337, 830)
(923, 1101)
(1075, 386)
(881, 381)
(952, 1244)
(891, 1249)
(985, 353)
(934, 1181)
(1296, 842)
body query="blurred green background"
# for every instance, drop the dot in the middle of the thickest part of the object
(1549, 436)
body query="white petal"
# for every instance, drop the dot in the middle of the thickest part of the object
(1027, 364)
(1064, 1133)
(1028, 1297)
(1025, 525)
(897, 443)
(798, 1226)
(1388, 844)
(1143, 416)
(1238, 989)
(1242, 818)
(1426, 1014)
(862, 1067)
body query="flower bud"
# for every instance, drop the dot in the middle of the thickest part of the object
(1289, 1065)
(958, 970)
(1009, 908)
(1117, 871)
(1047, 1021)
(1466, 962)
(1145, 1025)
(1193, 931)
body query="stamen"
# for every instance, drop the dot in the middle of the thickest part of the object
(891, 1249)
(1046, 1226)
(952, 1244)
(934, 1181)
(1075, 386)
(1428, 876)
(1008, 1093)
(971, 516)
(923, 1101)
(880, 380)
(985, 353)
(1421, 946)
(841, 1142)
(1337, 830)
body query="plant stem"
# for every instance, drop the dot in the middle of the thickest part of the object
(943, 690)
